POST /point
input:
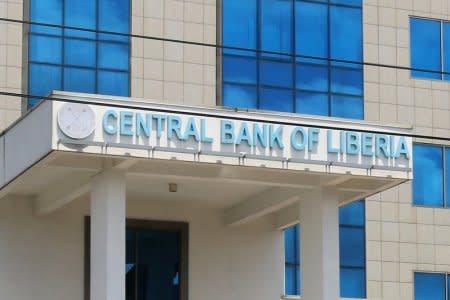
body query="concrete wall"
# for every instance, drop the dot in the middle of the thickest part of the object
(10, 61)
(42, 258)
(402, 238)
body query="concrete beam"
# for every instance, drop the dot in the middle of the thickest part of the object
(59, 195)
(287, 217)
(262, 204)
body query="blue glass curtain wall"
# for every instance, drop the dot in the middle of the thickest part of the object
(352, 244)
(431, 183)
(303, 80)
(75, 60)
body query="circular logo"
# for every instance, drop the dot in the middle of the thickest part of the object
(76, 120)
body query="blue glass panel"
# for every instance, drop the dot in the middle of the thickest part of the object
(312, 77)
(345, 33)
(114, 16)
(79, 80)
(239, 69)
(45, 49)
(113, 83)
(352, 214)
(446, 46)
(46, 11)
(275, 99)
(425, 38)
(291, 250)
(113, 56)
(347, 2)
(292, 280)
(352, 246)
(428, 188)
(353, 283)
(347, 80)
(311, 29)
(239, 26)
(275, 73)
(312, 103)
(347, 107)
(82, 14)
(79, 52)
(429, 286)
(276, 27)
(240, 96)
(44, 79)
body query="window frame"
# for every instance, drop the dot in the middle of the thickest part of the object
(293, 61)
(445, 189)
(97, 40)
(442, 58)
(447, 281)
(181, 227)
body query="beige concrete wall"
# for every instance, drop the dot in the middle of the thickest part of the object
(402, 238)
(42, 257)
(173, 72)
(10, 61)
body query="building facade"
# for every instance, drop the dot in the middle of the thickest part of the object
(366, 62)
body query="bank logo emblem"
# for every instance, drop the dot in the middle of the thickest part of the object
(76, 120)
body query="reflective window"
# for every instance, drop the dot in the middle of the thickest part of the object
(431, 163)
(430, 42)
(352, 253)
(76, 60)
(429, 286)
(155, 260)
(303, 80)
(292, 260)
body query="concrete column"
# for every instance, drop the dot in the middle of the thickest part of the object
(319, 254)
(108, 236)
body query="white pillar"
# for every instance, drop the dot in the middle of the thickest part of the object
(319, 261)
(108, 236)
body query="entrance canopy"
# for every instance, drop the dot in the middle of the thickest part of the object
(248, 163)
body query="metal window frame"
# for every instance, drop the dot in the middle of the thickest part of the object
(291, 60)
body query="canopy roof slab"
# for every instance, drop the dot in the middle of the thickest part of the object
(247, 163)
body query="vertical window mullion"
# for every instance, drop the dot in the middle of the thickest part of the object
(444, 174)
(329, 58)
(442, 50)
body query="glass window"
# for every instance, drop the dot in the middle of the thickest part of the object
(429, 286)
(352, 253)
(240, 30)
(292, 260)
(276, 99)
(312, 103)
(311, 29)
(155, 260)
(239, 69)
(307, 31)
(347, 107)
(428, 175)
(344, 23)
(113, 83)
(446, 47)
(275, 73)
(447, 176)
(45, 49)
(425, 38)
(276, 27)
(239, 96)
(76, 60)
